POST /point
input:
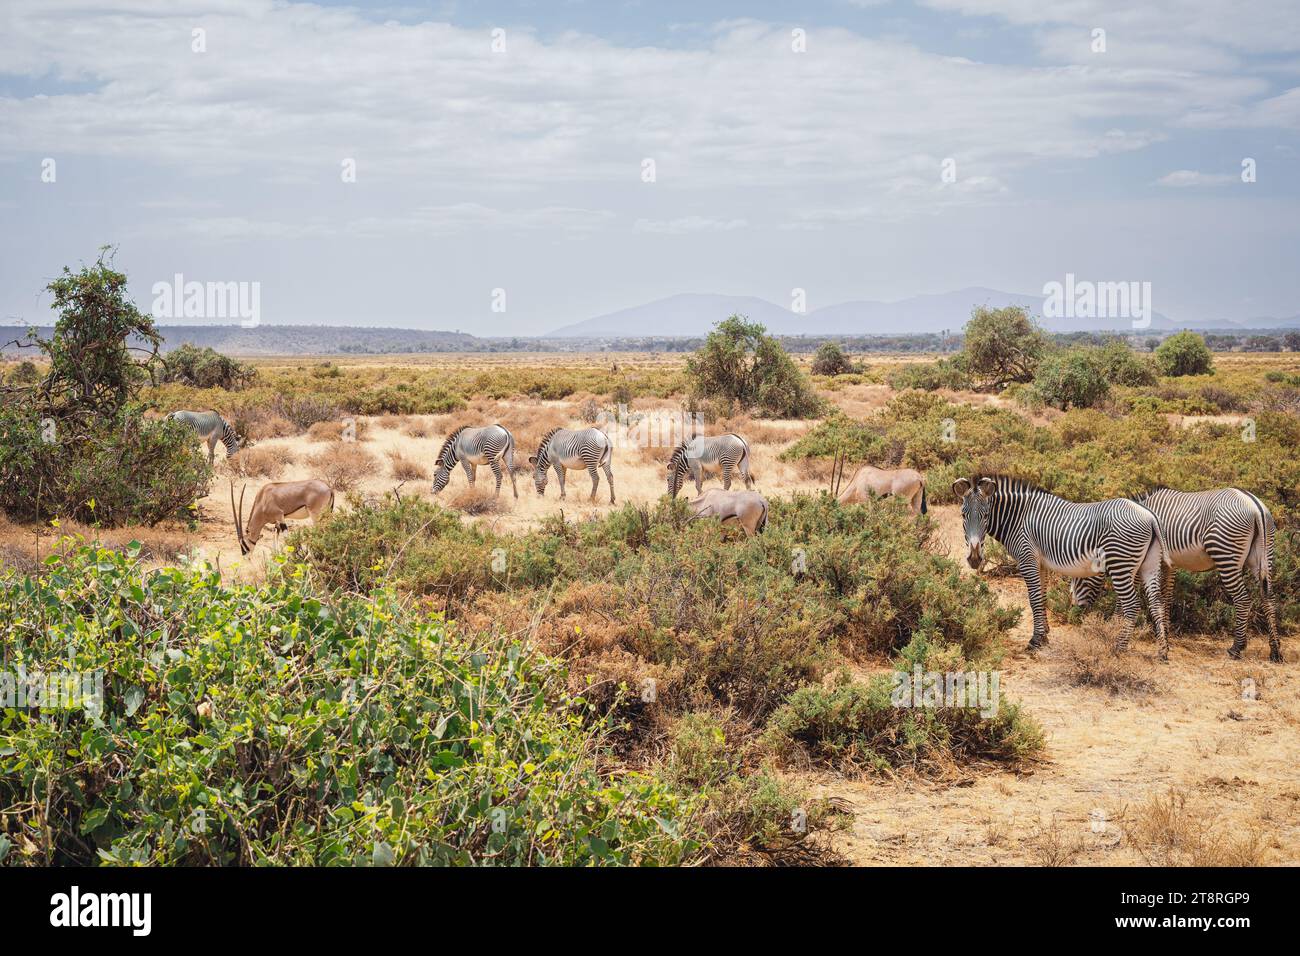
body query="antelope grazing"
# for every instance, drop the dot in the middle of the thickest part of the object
(472, 447)
(210, 427)
(565, 449)
(869, 481)
(722, 455)
(746, 508)
(277, 502)
(1227, 530)
(1116, 537)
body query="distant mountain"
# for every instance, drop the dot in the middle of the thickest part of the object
(687, 314)
(695, 314)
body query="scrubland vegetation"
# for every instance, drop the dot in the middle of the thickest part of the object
(413, 682)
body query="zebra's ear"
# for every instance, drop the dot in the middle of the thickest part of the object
(960, 487)
(532, 459)
(987, 486)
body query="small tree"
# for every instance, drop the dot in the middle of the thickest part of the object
(1184, 353)
(205, 368)
(1003, 346)
(1292, 340)
(830, 360)
(740, 363)
(1072, 379)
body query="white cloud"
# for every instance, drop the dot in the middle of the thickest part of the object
(1191, 177)
(687, 224)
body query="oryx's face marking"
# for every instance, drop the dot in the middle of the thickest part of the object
(976, 505)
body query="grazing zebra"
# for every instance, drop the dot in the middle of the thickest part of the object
(1117, 537)
(211, 427)
(472, 447)
(1228, 530)
(564, 448)
(722, 454)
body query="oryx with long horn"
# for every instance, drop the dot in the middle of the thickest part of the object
(277, 502)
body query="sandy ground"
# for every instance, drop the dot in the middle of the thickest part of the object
(1232, 759)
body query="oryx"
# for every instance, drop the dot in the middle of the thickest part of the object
(277, 502)
(746, 508)
(869, 481)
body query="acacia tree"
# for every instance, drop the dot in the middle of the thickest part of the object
(1003, 345)
(740, 363)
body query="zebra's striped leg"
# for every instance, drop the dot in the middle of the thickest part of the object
(1270, 615)
(1167, 594)
(726, 477)
(595, 479)
(559, 474)
(1126, 592)
(212, 448)
(495, 465)
(1152, 585)
(1032, 573)
(471, 472)
(510, 470)
(609, 477)
(1234, 582)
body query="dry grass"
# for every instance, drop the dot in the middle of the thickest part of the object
(1168, 831)
(336, 431)
(406, 469)
(1086, 658)
(344, 465)
(259, 462)
(1053, 846)
(261, 428)
(476, 501)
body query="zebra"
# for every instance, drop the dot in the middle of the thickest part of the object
(211, 427)
(564, 448)
(1117, 537)
(723, 454)
(1228, 530)
(472, 447)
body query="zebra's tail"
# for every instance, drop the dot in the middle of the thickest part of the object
(744, 462)
(762, 522)
(1260, 553)
(923, 504)
(509, 452)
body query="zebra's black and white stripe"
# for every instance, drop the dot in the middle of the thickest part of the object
(1117, 537)
(583, 449)
(723, 454)
(1227, 530)
(212, 428)
(492, 445)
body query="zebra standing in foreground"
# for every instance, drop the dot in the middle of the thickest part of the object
(564, 448)
(1117, 537)
(723, 454)
(472, 447)
(1228, 530)
(211, 427)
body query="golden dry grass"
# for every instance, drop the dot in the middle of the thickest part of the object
(406, 469)
(1169, 829)
(344, 465)
(1085, 657)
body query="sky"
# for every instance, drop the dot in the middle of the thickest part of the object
(509, 168)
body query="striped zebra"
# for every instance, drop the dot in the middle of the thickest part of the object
(1117, 537)
(491, 446)
(722, 454)
(565, 449)
(211, 427)
(1228, 530)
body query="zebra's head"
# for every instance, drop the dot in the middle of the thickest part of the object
(541, 461)
(976, 505)
(446, 461)
(1083, 591)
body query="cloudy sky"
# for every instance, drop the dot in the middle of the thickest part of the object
(862, 150)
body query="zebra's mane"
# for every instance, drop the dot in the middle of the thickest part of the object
(1013, 483)
(546, 440)
(447, 453)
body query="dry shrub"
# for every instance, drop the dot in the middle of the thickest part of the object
(474, 500)
(334, 430)
(259, 462)
(1086, 658)
(391, 422)
(418, 427)
(271, 426)
(344, 464)
(1167, 831)
(1052, 846)
(406, 469)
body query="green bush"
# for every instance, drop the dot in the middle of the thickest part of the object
(741, 363)
(204, 368)
(271, 726)
(951, 373)
(1003, 346)
(1184, 353)
(830, 360)
(1072, 378)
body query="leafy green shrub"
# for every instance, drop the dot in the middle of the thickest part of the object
(1071, 379)
(204, 368)
(269, 726)
(740, 362)
(1003, 346)
(830, 360)
(1184, 353)
(951, 373)
(1120, 365)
